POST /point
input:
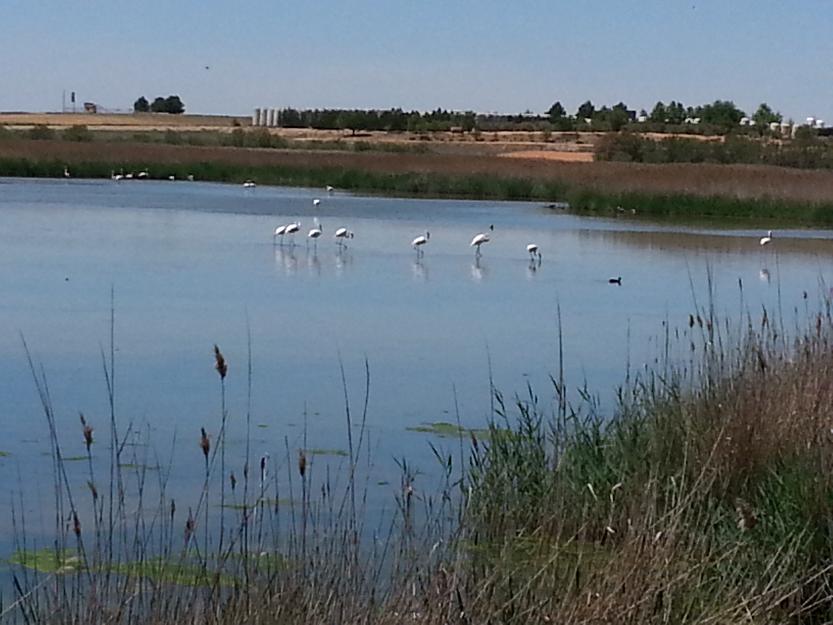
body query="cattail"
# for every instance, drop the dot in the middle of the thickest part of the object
(88, 431)
(691, 321)
(190, 526)
(262, 469)
(302, 462)
(246, 471)
(232, 480)
(205, 444)
(93, 489)
(173, 508)
(76, 525)
(221, 366)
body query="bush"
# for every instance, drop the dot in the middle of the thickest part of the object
(78, 133)
(41, 131)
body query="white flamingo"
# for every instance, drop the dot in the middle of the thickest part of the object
(279, 232)
(66, 172)
(478, 240)
(420, 241)
(292, 229)
(316, 202)
(767, 239)
(341, 235)
(314, 233)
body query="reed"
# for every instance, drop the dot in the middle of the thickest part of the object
(704, 496)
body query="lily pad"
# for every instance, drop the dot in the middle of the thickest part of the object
(5, 454)
(326, 452)
(48, 560)
(447, 430)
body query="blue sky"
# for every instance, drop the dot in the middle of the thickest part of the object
(483, 56)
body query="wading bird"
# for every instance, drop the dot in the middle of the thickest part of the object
(420, 241)
(478, 240)
(767, 239)
(534, 252)
(279, 232)
(314, 233)
(341, 234)
(292, 229)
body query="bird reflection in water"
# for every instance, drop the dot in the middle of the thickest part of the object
(313, 264)
(478, 270)
(763, 274)
(343, 259)
(285, 258)
(419, 270)
(533, 267)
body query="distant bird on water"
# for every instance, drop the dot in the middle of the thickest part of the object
(419, 242)
(316, 202)
(330, 188)
(616, 280)
(767, 239)
(66, 172)
(534, 252)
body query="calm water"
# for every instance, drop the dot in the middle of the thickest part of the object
(194, 264)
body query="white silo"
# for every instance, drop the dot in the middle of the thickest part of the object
(256, 117)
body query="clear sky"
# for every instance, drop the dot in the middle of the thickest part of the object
(506, 56)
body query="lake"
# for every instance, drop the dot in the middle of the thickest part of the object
(194, 264)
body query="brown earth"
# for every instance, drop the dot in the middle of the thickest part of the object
(741, 181)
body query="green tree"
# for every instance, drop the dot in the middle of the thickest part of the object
(658, 113)
(141, 105)
(174, 105)
(158, 105)
(765, 115)
(721, 113)
(556, 112)
(586, 110)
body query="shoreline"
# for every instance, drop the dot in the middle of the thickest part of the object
(746, 193)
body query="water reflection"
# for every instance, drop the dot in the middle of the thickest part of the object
(313, 264)
(479, 269)
(763, 274)
(419, 270)
(343, 259)
(285, 258)
(533, 267)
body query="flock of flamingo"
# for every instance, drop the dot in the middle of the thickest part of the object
(418, 243)
(342, 234)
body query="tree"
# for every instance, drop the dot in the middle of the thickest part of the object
(765, 115)
(174, 105)
(722, 113)
(141, 105)
(586, 110)
(658, 113)
(556, 112)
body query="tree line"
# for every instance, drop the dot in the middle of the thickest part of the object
(717, 117)
(172, 104)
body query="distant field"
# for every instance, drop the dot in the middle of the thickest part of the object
(105, 120)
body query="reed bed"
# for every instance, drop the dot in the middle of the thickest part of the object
(679, 190)
(705, 496)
